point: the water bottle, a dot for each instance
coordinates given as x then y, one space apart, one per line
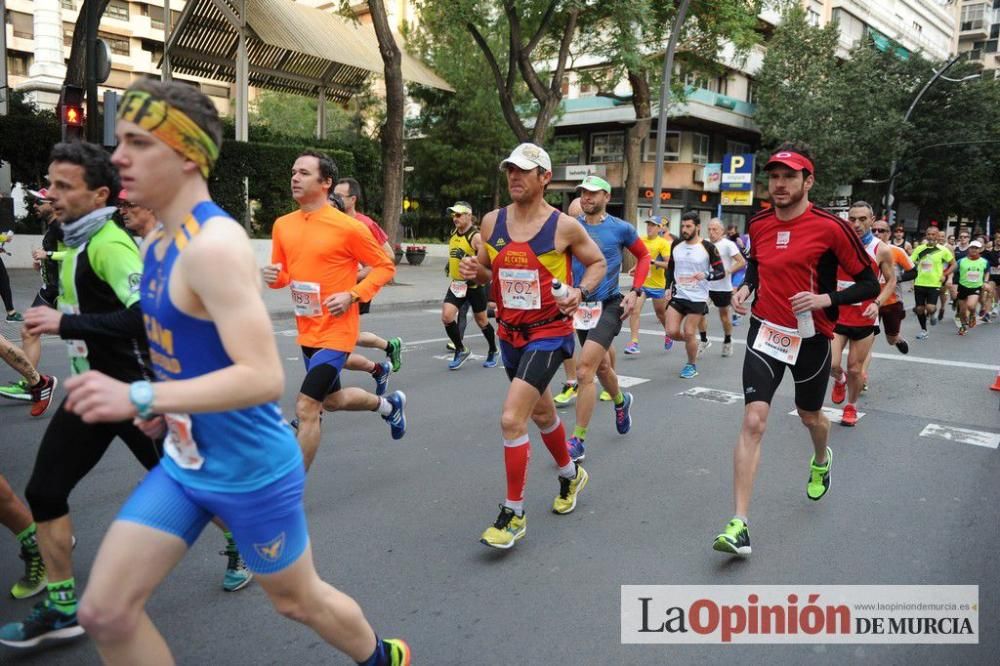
559 290
805 323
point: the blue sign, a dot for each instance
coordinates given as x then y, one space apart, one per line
737 172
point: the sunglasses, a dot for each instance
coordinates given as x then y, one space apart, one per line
880 230
125 205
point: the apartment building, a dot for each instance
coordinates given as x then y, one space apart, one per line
978 32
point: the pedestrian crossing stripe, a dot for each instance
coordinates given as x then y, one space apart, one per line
713 395
989 440
835 415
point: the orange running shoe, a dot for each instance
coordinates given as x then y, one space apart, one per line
839 393
41 395
850 417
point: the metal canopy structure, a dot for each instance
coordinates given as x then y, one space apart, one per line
279 45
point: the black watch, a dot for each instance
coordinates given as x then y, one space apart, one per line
584 294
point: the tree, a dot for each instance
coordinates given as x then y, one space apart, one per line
76 73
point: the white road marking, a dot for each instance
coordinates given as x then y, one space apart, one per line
713 395
625 381
831 413
414 343
448 357
989 440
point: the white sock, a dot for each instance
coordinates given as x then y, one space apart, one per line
516 507
384 407
569 471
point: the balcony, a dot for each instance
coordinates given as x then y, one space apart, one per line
974 28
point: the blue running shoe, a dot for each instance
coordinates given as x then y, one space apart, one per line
45 623
668 342
623 415
491 360
461 356
397 417
576 450
382 381
689 371
237 575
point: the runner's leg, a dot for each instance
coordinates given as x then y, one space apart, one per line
856 354
14 515
633 318
691 330
17 359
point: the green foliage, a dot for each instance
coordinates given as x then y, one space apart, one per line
26 136
268 170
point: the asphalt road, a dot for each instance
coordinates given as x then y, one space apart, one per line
396 524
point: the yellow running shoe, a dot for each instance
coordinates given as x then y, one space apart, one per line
567 395
565 502
508 528
605 396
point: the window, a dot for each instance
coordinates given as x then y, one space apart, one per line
563 85
917 28
751 91
701 148
814 13
69 5
607 147
671 149
567 149
973 17
852 29
67 34
738 148
117 43
18 63
117 9
697 80
22 24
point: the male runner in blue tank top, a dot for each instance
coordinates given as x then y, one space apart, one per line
228 451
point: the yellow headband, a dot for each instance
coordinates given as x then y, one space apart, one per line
171 126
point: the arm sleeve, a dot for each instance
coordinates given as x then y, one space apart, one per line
670 267
908 275
639 251
119 324
370 253
278 257
750 277
716 269
865 288
117 263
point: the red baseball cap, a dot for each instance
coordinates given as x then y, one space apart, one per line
792 160
42 194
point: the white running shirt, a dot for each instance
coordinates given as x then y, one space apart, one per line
727 250
689 260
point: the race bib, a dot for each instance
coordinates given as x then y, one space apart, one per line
76 349
973 276
926 266
520 288
686 280
994 270
180 444
305 298
459 288
778 342
587 315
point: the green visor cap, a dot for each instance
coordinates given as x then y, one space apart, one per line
594 184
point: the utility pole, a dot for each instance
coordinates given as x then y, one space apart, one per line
5 183
93 128
661 122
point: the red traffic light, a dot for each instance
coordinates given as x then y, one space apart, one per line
73 116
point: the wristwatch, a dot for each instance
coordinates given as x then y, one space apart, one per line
140 394
584 295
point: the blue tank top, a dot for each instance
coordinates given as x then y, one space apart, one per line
236 451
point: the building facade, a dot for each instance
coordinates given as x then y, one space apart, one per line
978 32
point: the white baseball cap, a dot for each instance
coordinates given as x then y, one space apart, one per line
528 156
976 243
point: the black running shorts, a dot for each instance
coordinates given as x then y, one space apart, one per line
475 296
762 374
721 299
686 307
926 295
608 326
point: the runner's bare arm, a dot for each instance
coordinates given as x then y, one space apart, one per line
887 266
275 274
478 268
738 263
571 234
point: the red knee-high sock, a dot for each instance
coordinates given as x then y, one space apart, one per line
555 442
516 454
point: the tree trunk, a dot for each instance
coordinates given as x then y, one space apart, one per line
392 130
633 151
76 72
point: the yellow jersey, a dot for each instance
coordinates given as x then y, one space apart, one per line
659 250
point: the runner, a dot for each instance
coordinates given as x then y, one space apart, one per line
40 388
229 452
693 264
971 275
934 263
598 319
898 238
5 294
349 192
991 289
961 250
721 291
322 275
796 249
465 241
892 313
655 285
856 322
529 244
14 515
138 220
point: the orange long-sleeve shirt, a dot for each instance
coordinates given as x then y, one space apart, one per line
321 250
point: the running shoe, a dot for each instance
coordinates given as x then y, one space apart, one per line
567 395
382 380
632 348
689 371
604 396
41 396
839 392
623 415
397 417
237 575
491 360
703 346
850 417
922 335
14 315
819 477
506 530
576 449
737 320
903 346
958 322
668 342
398 651
972 321
735 539
45 623
934 319
962 330
727 349
569 489
394 351
450 346
461 356
34 580
18 390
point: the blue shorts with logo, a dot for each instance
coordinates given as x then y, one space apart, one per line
268 524
654 293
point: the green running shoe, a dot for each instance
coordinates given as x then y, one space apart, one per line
33 581
735 540
395 353
819 477
18 390
398 651
237 575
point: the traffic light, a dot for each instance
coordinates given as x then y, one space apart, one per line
71 116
